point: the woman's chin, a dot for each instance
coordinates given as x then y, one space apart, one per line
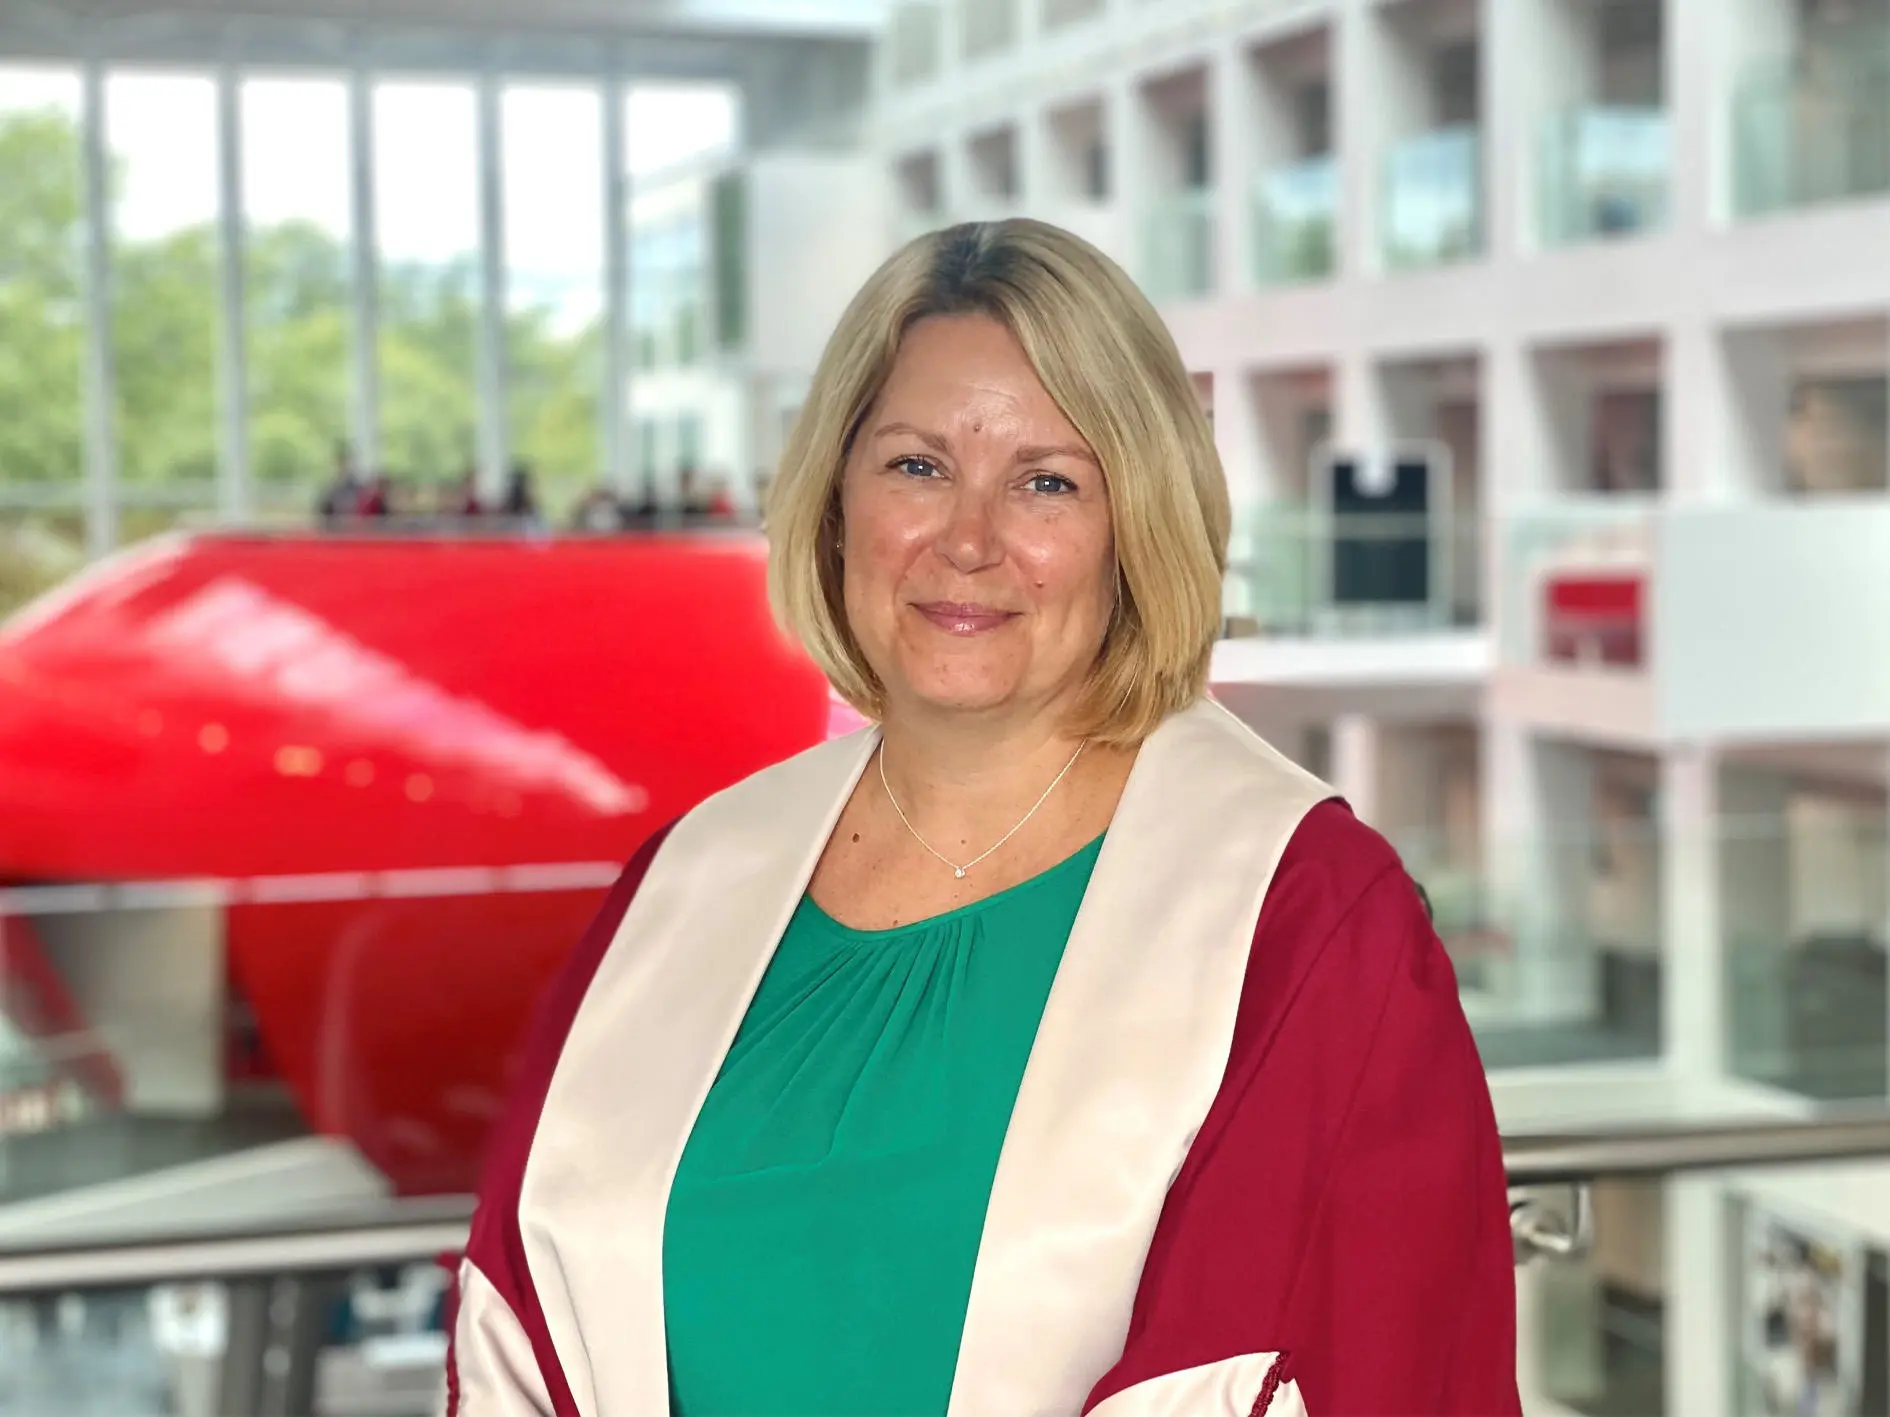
959 696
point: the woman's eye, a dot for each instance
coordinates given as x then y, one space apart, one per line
1050 483
914 467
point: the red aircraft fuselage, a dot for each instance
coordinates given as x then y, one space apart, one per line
236 708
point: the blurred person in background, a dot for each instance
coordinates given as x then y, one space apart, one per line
720 503
1241 1159
462 497
341 498
644 512
520 502
377 498
598 512
691 499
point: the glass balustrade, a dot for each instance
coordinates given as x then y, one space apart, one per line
1179 249
1742 1174
1812 129
1748 1244
1806 947
153 1033
1604 173
1433 199
1770 1276
1301 571
1296 222
126 1051
1555 938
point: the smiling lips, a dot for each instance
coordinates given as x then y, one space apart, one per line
958 618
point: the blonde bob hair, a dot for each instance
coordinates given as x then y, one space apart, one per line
1104 355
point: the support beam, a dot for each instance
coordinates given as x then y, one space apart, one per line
367 272
491 371
1362 79
618 457
235 494
101 442
1235 125
1355 763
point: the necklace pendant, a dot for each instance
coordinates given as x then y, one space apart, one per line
959 871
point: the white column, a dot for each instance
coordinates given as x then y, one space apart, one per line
1234 119
1692 974
1698 140
1726 406
958 198
1244 462
618 455
235 496
1361 416
1710 46
1355 753
1701 1326
1362 61
101 439
1126 123
1537 815
1519 460
1036 194
367 271
491 372
1244 457
1540 57
1029 22
1507 131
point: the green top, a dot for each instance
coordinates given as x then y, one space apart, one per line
824 1221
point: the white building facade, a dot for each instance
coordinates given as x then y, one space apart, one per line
1614 272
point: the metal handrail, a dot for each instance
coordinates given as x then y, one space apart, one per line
387 1233
401 1232
1570 1159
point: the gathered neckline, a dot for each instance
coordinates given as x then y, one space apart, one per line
851 932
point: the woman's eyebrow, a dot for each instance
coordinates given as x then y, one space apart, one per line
932 440
1038 453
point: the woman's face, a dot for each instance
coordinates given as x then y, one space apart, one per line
980 566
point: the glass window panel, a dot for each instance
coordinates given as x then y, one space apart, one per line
42 313
554 247
426 196
161 132
298 284
670 126
667 124
39 548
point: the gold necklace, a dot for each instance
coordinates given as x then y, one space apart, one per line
957 870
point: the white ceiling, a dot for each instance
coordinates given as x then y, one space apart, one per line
640 39
727 18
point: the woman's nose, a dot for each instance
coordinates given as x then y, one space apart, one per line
969 539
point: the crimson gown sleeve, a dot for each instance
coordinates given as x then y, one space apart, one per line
1344 1206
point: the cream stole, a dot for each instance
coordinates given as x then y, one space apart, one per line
1129 1055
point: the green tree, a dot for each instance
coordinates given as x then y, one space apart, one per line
164 347
41 321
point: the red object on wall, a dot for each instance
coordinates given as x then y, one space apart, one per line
235 707
1595 617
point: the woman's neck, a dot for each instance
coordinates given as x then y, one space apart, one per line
967 779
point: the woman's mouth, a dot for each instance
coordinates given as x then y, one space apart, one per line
958 618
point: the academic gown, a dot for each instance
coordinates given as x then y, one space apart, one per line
1252 1167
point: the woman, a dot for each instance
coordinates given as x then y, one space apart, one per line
1055 1046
